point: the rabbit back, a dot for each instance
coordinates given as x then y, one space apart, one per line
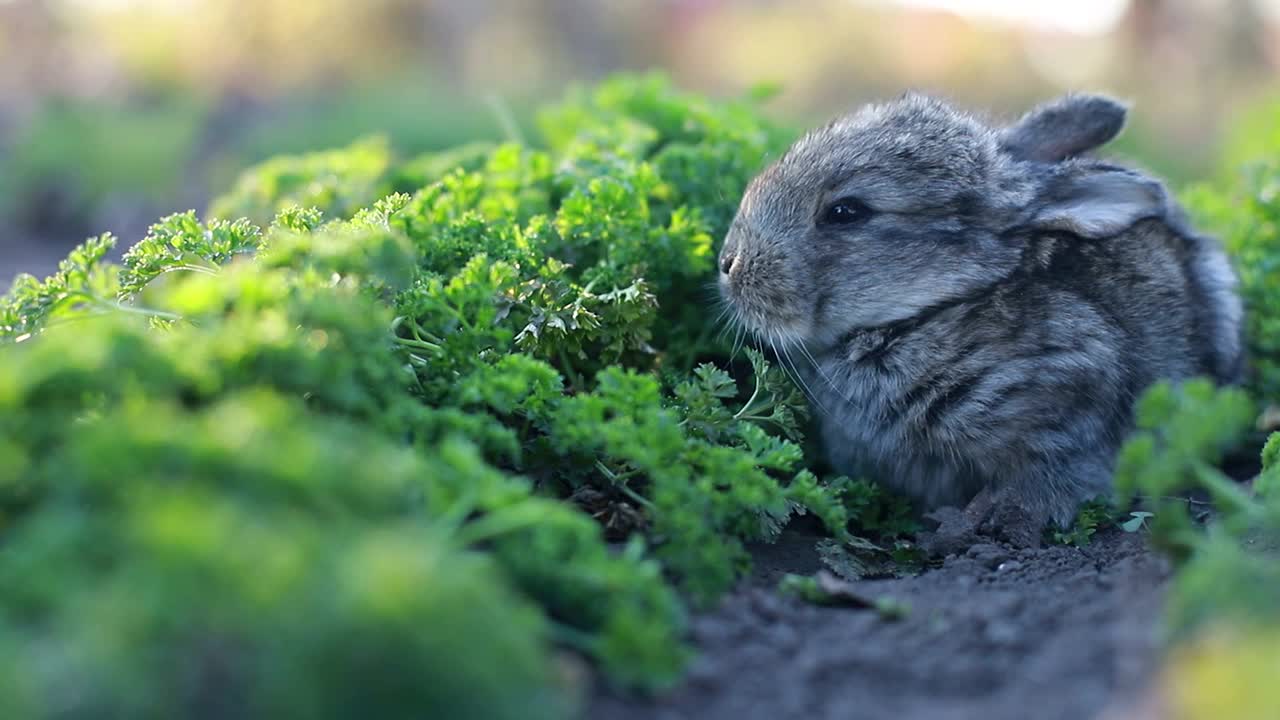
1032 380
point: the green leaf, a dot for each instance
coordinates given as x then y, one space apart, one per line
1137 521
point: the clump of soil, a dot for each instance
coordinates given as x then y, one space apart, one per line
994 633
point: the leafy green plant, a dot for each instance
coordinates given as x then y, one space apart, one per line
390 406
82 285
1227 567
1184 431
1097 514
337 182
1137 521
825 589
1221 611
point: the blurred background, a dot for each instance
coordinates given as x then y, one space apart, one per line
114 112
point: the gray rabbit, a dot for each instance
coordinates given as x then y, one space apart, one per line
975 308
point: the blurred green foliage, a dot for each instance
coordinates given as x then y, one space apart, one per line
1222 610
1186 431
165 149
1244 211
90 152
1227 585
338 182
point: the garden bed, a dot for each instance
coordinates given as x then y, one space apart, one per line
995 633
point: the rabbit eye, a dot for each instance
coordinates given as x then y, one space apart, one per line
846 211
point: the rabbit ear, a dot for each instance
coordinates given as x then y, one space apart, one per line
1096 201
1064 128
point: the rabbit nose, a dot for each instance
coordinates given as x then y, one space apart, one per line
727 262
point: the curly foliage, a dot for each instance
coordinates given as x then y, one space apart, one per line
360 440
82 284
1184 433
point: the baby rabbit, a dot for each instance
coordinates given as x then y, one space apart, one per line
974 309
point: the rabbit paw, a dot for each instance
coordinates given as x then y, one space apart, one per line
992 514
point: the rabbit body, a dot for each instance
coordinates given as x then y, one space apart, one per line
974 307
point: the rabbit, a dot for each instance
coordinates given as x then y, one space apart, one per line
975 307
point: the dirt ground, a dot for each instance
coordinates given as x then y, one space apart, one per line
994 633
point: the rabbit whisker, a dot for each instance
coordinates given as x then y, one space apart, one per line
789 368
739 337
822 372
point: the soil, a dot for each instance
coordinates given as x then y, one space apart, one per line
994 633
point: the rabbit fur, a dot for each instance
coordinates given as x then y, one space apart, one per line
975 306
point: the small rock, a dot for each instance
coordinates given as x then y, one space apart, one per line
988 555
783 637
1083 577
1001 633
704 674
954 534
767 606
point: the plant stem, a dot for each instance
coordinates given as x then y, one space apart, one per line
421 345
509 520
1224 490
418 333
570 636
188 268
618 480
754 393
121 307
572 374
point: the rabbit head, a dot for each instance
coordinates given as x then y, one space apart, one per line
909 205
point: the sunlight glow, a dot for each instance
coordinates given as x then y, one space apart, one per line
129 4
1269 8
1085 17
